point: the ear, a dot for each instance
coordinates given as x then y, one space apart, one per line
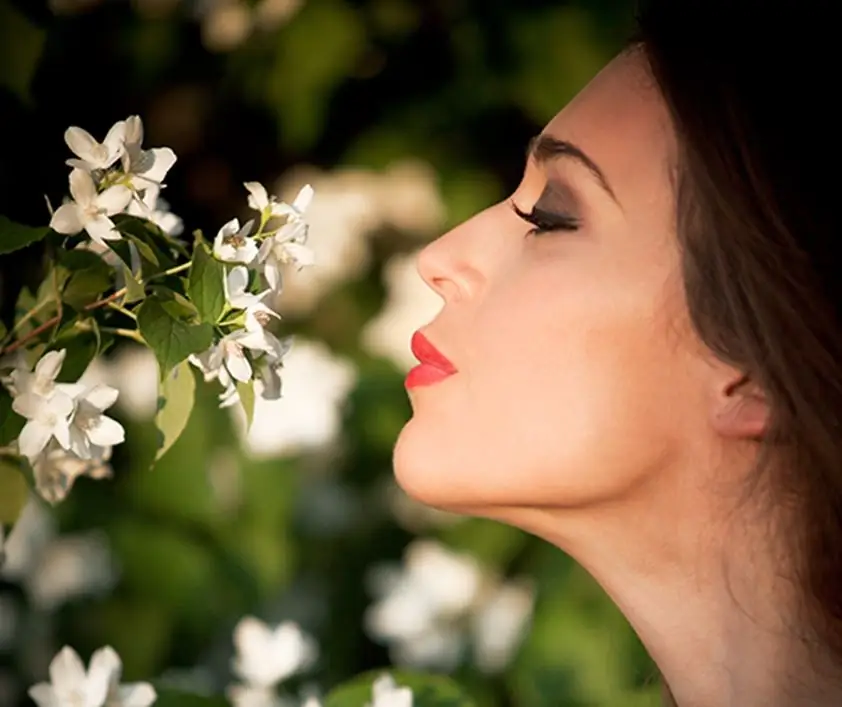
741 409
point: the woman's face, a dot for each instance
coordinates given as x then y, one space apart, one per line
578 376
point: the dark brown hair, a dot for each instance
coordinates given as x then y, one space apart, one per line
752 89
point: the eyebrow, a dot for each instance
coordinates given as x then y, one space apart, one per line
543 148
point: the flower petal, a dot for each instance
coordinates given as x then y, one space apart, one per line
33 438
101 229
61 431
237 364
67 219
104 671
304 198
258 198
102 396
106 431
272 273
29 405
43 695
161 160
67 672
133 130
49 365
81 142
114 199
299 254
236 281
82 187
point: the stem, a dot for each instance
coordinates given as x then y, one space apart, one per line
122 310
128 333
52 321
25 318
104 302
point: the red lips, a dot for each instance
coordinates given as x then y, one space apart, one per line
434 365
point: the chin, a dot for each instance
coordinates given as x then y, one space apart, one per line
423 470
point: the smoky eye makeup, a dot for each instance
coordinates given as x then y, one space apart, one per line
556 209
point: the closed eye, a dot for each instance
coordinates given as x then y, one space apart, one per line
544 221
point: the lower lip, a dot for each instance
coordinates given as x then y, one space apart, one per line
425 374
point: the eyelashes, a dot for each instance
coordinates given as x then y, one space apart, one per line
543 221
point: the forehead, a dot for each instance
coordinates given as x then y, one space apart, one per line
621 121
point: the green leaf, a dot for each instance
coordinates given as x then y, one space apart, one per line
205 286
14 236
178 392
14 491
88 277
246 392
171 339
146 251
10 422
427 690
135 291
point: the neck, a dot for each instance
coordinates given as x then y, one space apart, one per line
706 592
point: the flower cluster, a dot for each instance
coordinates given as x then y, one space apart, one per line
110 177
66 434
249 351
124 270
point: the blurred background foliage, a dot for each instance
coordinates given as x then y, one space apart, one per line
408 116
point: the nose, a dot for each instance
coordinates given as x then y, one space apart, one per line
450 264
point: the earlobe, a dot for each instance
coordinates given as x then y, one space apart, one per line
741 410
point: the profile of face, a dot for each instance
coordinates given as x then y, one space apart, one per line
579 378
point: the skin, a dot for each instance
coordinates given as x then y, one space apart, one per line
585 409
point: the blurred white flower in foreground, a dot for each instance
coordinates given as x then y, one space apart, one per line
55 569
308 412
266 656
72 686
439 602
134 372
387 693
410 304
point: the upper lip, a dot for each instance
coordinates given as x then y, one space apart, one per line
425 352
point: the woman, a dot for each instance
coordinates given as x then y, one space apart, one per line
644 350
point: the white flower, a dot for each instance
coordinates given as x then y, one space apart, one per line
39 382
47 418
56 470
309 415
287 245
72 686
265 656
260 201
89 428
145 168
386 693
155 209
90 211
52 568
236 290
92 154
499 624
232 243
420 603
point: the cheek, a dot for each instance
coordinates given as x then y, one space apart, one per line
569 402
